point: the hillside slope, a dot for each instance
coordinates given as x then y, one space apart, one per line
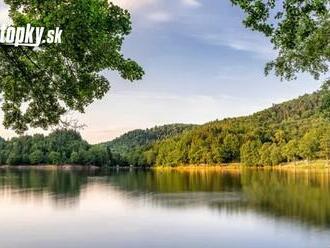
131 145
289 131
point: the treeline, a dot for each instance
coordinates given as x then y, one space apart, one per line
217 143
131 146
60 147
291 131
287 132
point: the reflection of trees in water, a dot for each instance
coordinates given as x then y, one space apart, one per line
176 182
179 189
63 186
301 196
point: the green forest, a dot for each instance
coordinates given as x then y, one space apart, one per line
295 130
60 147
131 146
288 132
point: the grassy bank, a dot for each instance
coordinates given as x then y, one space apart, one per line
299 165
304 165
236 166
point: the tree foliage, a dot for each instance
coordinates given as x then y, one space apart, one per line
325 144
60 147
298 29
250 152
325 106
56 78
36 157
132 145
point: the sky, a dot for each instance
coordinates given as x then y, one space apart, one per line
201 64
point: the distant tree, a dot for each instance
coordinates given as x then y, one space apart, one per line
230 149
291 150
14 151
54 158
3 157
270 154
74 158
325 145
83 157
264 153
197 152
250 153
325 105
36 157
150 157
14 158
279 137
3 151
64 142
98 156
276 156
309 145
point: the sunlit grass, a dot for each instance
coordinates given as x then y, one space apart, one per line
298 165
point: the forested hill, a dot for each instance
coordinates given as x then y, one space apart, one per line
289 131
300 108
131 145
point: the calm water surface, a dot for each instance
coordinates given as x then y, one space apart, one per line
49 208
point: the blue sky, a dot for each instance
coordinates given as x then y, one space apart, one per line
201 64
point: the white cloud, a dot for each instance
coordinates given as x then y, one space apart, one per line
160 16
241 42
133 4
191 3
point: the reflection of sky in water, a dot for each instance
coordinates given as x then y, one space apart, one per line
105 213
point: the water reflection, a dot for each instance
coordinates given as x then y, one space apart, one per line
176 182
62 186
302 197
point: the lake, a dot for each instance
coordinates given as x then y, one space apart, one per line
201 208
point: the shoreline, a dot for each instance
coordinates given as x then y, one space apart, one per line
292 166
50 167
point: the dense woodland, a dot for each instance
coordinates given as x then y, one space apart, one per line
131 146
287 132
67 147
60 147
